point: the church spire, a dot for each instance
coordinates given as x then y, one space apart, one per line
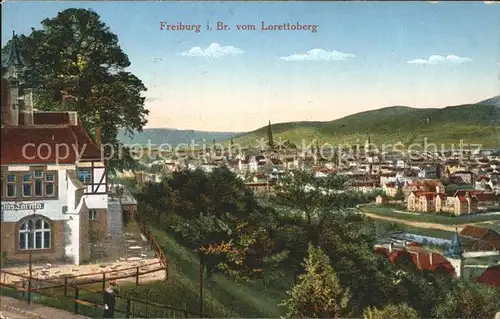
455 249
270 136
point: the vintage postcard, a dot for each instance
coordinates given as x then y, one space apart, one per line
234 159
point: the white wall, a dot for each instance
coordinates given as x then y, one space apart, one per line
53 210
96 201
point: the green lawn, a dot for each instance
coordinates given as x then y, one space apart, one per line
222 296
428 217
423 231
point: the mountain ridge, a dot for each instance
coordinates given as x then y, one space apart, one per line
475 123
472 123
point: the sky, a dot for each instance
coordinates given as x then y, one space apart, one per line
362 56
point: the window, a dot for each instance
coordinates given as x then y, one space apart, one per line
11 185
92 214
27 185
34 234
49 185
38 175
85 175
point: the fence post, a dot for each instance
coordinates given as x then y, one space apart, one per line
76 299
137 276
103 281
166 267
65 286
129 307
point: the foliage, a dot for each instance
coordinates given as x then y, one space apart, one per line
318 293
247 239
76 64
469 300
400 195
399 311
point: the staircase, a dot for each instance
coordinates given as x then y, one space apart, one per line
115 217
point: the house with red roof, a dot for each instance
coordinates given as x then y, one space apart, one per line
422 258
490 277
54 180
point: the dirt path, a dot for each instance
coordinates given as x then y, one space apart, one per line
416 224
11 308
92 271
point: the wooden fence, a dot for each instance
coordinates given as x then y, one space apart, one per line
152 243
67 293
90 278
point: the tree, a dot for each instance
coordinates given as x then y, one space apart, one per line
399 311
318 293
348 240
76 64
400 195
469 300
313 198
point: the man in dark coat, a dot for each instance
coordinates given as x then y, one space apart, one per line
109 303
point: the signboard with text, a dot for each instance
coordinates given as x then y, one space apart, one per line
22 206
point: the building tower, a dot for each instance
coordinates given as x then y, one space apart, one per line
454 254
17 100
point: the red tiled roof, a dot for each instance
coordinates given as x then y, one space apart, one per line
390 185
364 184
477 232
388 174
276 161
62 145
424 260
483 177
491 276
484 197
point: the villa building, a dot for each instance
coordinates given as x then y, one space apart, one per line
54 182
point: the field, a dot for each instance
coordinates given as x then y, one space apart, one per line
429 218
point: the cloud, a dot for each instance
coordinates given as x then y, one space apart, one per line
213 51
491 2
152 99
318 55
439 59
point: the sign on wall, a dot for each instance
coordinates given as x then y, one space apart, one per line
15 206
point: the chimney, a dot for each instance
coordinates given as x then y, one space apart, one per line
27 110
73 118
430 258
98 135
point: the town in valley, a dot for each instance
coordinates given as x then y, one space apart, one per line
254 177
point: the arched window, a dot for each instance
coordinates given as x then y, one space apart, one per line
34 234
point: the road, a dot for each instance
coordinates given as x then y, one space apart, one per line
12 315
415 224
11 308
